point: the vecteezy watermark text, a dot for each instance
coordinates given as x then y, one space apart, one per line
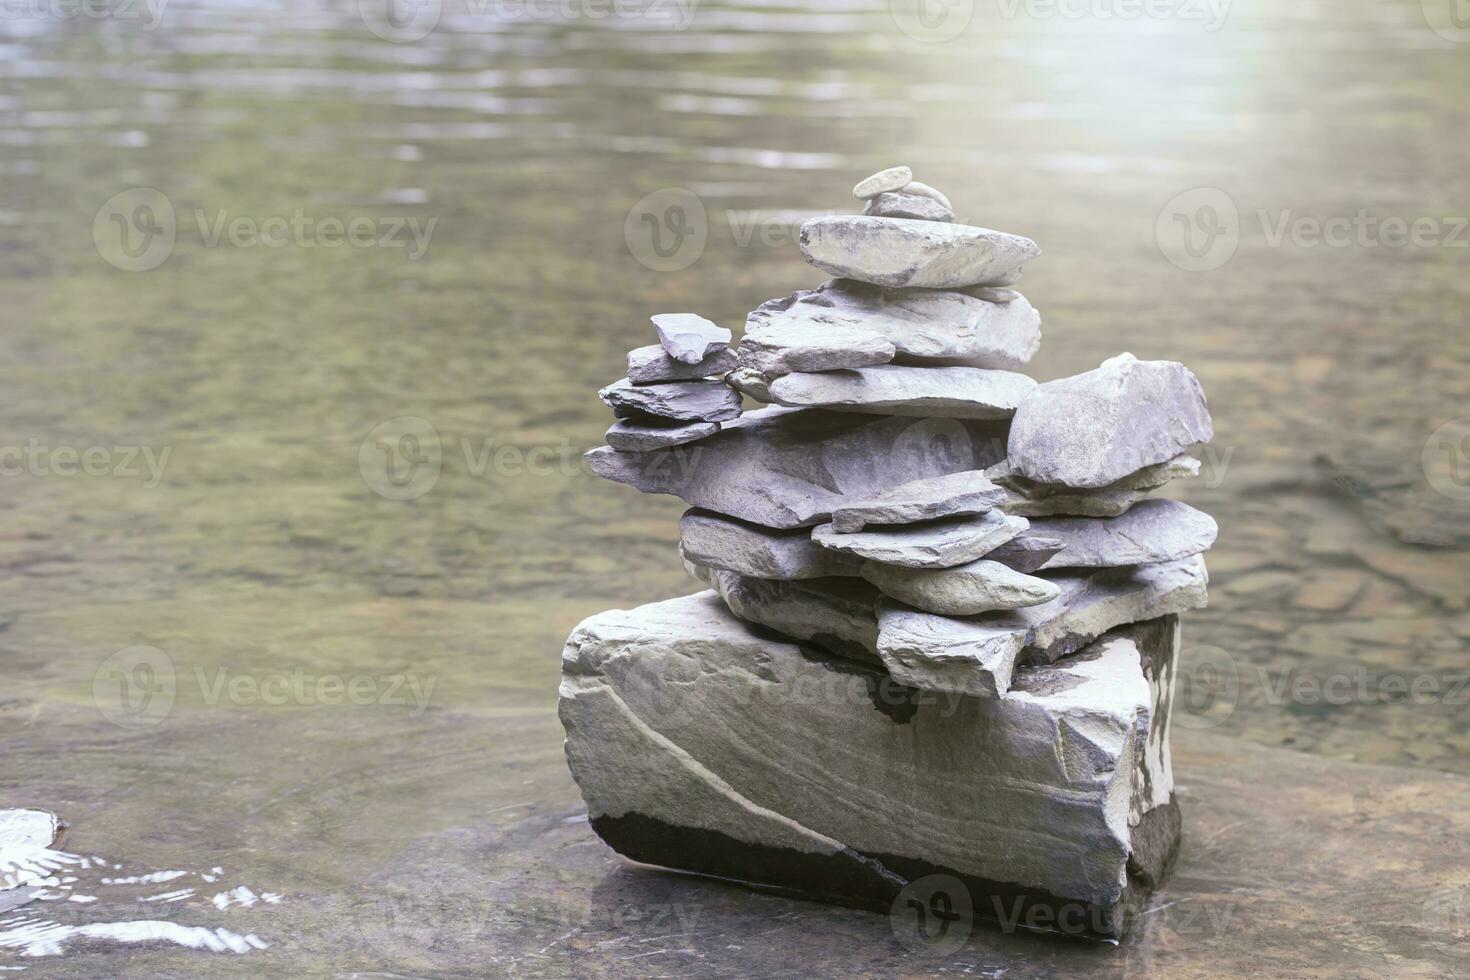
39 459
148 12
406 21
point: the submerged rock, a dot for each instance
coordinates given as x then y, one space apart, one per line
784 468
1096 428
978 328
900 252
677 401
965 590
892 389
652 364
967 492
688 337
701 745
936 544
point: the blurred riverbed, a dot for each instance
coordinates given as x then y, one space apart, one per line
259 261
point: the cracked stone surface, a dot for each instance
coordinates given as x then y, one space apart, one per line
966 590
652 364
893 389
990 328
785 468
1052 787
936 544
1095 428
900 252
716 541
1151 531
967 492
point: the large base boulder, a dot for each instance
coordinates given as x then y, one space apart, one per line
702 744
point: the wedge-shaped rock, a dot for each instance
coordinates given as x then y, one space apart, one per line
1096 428
716 541
783 468
991 328
966 590
836 614
1151 531
899 252
794 345
750 382
936 544
897 204
652 364
968 492
630 437
701 745
1028 498
677 401
688 337
1026 552
893 389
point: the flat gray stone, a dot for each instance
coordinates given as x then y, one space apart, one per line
924 190
894 389
688 337
1096 428
716 541
652 364
896 204
786 468
1151 531
630 437
900 252
1028 498
1026 552
977 328
797 345
836 614
700 744
749 381
968 492
965 590
884 180
677 401
937 544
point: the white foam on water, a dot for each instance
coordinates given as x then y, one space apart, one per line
29 866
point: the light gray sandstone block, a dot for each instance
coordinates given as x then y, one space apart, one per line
701 745
966 492
936 544
716 541
676 401
652 364
784 468
689 337
898 204
883 181
1151 531
975 328
893 389
631 437
1098 427
966 590
924 190
900 252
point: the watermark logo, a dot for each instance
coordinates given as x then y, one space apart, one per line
149 12
667 231
135 230
1211 13
400 21
135 688
1207 687
1199 230
932 21
1446 459
933 914
401 458
417 918
1450 19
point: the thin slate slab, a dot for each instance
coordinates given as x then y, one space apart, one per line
1151 531
990 328
1027 552
806 345
688 337
883 181
652 365
966 590
630 437
968 492
676 401
893 389
901 252
784 468
936 544
1095 428
897 204
835 614
716 541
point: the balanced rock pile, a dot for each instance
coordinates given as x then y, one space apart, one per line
943 611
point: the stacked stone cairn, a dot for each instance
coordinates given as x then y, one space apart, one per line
942 621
